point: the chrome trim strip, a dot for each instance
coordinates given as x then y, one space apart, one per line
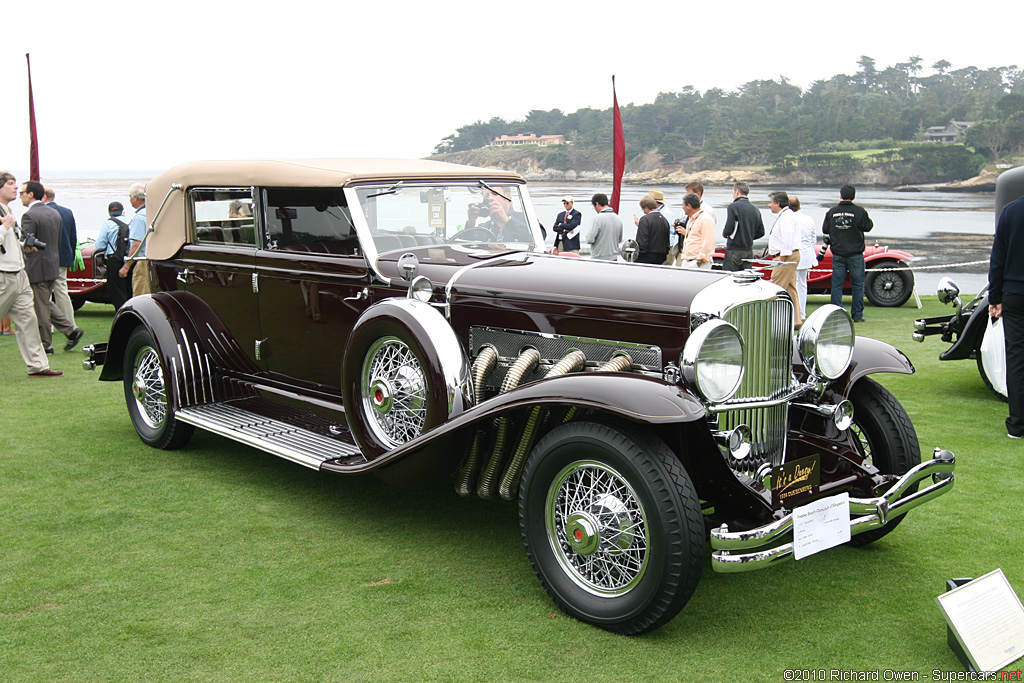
873 513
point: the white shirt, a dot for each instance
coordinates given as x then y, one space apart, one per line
808 238
785 234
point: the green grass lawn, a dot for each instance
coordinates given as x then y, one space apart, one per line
218 562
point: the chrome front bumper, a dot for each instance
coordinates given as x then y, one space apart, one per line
741 551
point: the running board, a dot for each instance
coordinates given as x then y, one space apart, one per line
267 434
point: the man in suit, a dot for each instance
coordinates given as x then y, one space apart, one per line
15 291
68 243
567 228
42 266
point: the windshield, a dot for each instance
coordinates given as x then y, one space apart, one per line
404 215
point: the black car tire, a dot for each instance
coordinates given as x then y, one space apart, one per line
145 392
882 432
77 302
651 552
888 288
984 373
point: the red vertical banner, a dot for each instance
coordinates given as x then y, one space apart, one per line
33 149
618 151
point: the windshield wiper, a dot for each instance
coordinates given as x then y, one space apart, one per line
391 190
483 184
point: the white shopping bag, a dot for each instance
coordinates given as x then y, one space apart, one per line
993 355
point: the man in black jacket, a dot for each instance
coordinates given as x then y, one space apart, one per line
42 266
68 245
845 224
743 225
1006 301
567 228
651 233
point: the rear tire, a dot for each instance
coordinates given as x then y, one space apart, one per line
888 288
883 433
612 526
145 392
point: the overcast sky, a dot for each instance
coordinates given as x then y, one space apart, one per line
145 85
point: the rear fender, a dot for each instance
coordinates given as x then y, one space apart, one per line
190 339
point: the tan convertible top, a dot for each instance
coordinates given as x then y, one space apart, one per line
171 230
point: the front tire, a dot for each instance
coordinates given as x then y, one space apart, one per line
145 392
883 433
612 526
888 288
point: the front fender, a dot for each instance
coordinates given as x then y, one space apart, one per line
871 356
640 399
970 338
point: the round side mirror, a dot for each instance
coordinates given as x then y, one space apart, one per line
408 266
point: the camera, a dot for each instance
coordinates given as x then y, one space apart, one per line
484 208
824 247
679 223
31 241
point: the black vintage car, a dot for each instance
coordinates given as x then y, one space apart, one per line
401 318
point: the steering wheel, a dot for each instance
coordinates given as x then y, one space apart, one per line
473 235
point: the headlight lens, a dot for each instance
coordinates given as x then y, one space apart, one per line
421 289
826 342
712 360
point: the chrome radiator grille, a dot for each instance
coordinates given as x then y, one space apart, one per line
767 329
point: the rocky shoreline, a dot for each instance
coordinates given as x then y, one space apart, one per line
647 172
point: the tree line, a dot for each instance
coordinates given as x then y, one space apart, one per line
775 123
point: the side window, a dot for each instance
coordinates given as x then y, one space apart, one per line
315 220
223 216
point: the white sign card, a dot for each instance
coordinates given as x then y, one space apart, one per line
821 525
988 620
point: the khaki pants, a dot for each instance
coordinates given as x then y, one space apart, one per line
16 301
47 313
60 295
785 277
140 278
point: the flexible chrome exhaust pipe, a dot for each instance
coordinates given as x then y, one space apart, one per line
526 362
571 362
482 366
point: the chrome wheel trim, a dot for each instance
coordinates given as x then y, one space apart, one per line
148 388
394 391
597 528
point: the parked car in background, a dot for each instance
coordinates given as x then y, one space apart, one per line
89 283
882 286
402 318
970 331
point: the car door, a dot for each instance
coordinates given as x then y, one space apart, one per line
313 285
218 267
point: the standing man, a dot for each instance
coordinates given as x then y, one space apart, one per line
567 228
845 224
15 290
1006 301
652 234
784 245
137 233
68 244
42 267
698 235
605 231
113 242
743 225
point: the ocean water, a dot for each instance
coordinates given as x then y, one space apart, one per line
942 230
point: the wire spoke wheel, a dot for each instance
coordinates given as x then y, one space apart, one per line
888 288
394 391
148 388
598 528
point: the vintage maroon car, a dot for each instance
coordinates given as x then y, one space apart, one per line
401 318
89 283
887 282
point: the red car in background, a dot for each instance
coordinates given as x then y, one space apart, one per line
882 287
89 283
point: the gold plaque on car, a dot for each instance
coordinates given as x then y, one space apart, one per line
794 481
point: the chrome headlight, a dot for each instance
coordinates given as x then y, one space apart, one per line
826 342
712 360
420 289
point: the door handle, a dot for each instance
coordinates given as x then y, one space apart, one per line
188 277
364 293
